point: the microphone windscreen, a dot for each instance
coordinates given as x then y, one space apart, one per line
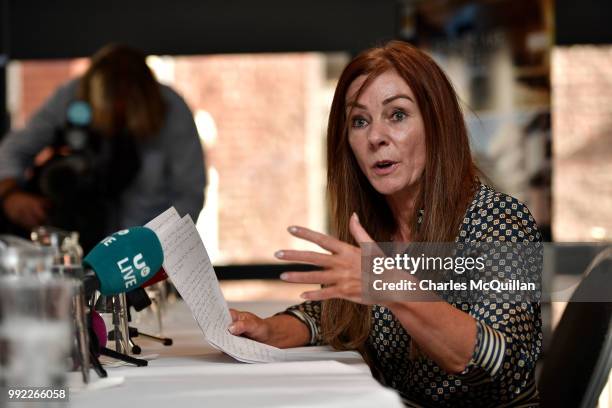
159 276
99 328
125 260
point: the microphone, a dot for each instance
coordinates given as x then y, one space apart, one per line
138 299
99 328
159 276
123 261
98 337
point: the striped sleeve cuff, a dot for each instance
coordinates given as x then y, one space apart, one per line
309 321
490 349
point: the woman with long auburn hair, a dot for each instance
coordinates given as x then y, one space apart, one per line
400 170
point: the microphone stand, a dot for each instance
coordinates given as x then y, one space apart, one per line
123 357
134 332
139 300
166 341
94 350
120 326
122 333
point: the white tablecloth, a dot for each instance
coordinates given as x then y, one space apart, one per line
192 374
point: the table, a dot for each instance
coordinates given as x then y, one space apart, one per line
190 373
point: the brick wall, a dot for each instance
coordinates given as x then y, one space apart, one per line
262 106
38 81
582 142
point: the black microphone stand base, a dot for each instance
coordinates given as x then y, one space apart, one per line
123 357
166 341
135 347
134 332
97 366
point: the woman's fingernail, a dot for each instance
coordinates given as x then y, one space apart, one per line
292 229
231 328
279 254
284 276
356 216
304 295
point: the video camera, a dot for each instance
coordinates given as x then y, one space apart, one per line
85 174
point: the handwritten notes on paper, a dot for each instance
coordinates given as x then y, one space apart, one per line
188 265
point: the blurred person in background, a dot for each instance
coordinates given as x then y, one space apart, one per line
400 170
106 151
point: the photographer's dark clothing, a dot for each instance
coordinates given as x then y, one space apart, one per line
170 164
502 370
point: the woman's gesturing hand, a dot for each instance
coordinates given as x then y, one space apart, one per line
341 274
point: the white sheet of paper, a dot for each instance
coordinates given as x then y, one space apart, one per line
188 265
163 220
